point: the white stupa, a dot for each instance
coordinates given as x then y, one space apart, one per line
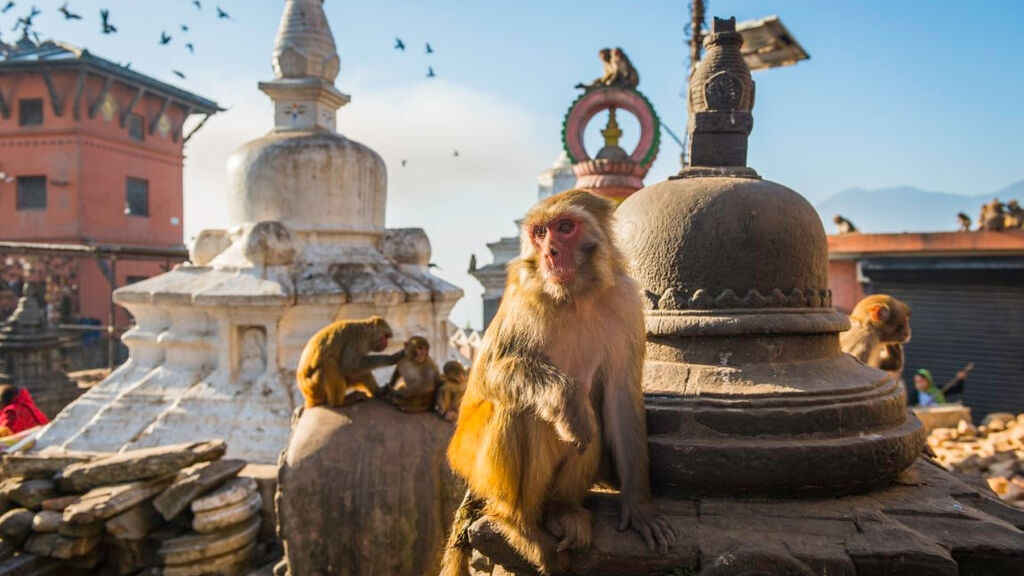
216 342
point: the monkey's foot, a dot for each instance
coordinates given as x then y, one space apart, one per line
572 525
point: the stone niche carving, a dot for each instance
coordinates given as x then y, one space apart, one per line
251 352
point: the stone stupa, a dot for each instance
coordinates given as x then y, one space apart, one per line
216 342
772 453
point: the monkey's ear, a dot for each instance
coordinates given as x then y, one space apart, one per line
878 312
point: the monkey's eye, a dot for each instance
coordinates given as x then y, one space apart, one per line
539 232
566 226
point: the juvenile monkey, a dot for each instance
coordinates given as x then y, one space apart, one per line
965 222
453 386
879 326
415 378
843 225
555 389
338 358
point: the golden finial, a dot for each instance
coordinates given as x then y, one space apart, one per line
611 132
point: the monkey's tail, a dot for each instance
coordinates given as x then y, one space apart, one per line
457 551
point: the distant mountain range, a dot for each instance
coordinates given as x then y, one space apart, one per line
908 209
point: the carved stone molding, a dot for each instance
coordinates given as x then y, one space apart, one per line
701 299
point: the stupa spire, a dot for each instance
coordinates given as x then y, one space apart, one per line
306 63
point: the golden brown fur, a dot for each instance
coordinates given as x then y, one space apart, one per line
338 358
453 387
556 388
415 379
879 325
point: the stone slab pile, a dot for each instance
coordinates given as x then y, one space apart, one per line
180 510
993 450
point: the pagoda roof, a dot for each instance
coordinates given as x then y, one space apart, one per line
51 55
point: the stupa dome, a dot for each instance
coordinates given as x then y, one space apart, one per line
314 181
708 239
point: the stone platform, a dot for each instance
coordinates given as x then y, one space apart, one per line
928 522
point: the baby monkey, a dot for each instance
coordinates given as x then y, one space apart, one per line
415 379
453 386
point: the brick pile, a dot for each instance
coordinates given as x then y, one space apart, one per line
994 450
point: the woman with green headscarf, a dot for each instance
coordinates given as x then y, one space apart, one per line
928 394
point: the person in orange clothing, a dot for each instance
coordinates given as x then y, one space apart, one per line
18 412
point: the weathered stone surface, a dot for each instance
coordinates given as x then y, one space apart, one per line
26 565
378 480
30 493
924 524
138 465
42 465
233 563
232 492
265 476
63 547
135 523
71 530
42 544
60 503
222 518
193 482
87 561
46 521
108 501
194 548
16 525
131 556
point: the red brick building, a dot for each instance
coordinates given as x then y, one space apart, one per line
91 153
966 294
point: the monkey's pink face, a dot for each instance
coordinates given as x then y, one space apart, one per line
557 242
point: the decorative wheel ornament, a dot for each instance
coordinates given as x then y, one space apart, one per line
597 100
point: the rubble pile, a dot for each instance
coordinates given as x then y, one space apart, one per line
177 510
994 450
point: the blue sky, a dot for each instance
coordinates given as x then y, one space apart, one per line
922 93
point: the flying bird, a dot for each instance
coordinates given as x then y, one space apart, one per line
68 15
403 162
222 14
108 28
430 72
399 45
197 4
178 74
7 7
429 49
191 48
184 28
164 39
456 154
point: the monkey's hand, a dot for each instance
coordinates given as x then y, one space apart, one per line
645 517
576 423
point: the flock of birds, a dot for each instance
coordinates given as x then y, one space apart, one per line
26 23
428 49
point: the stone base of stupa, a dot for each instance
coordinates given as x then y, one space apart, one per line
928 522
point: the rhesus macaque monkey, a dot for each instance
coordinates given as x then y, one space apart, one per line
626 75
337 359
415 378
965 222
555 389
992 216
844 225
608 74
879 326
453 386
1014 216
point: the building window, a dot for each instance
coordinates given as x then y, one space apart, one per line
135 129
31 193
30 112
136 197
